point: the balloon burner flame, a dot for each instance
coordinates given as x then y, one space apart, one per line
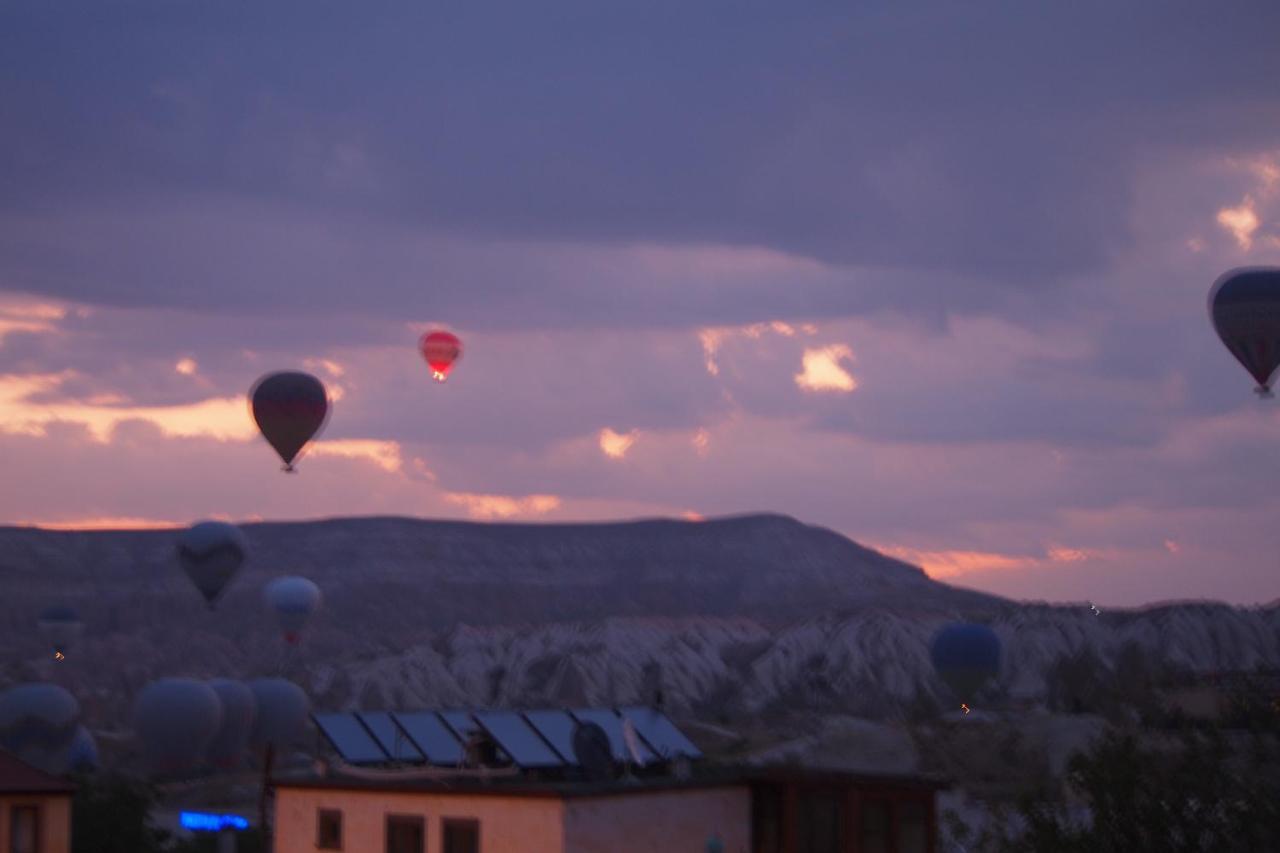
59 656
964 707
437 375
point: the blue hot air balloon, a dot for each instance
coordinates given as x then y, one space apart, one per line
239 707
38 722
966 657
281 720
176 719
212 552
289 407
1244 305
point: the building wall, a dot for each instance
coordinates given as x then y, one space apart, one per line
507 824
55 821
659 821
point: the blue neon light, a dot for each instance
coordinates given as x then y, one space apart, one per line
201 822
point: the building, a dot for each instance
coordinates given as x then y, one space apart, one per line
745 810
588 780
35 809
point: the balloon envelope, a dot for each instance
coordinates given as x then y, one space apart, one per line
289 407
37 721
1244 305
282 713
294 600
441 350
82 755
212 552
966 657
61 625
239 707
176 720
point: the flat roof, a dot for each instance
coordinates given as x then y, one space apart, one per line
17 777
528 786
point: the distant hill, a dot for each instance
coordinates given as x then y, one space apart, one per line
745 613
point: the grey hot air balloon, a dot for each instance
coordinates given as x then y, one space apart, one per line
294 601
176 719
38 722
212 552
283 707
61 626
239 708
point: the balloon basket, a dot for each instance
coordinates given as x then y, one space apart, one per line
1263 392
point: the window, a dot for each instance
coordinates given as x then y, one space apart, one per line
913 827
460 836
406 834
875 827
24 829
766 819
820 816
329 829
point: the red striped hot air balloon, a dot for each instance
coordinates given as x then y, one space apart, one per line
441 350
1244 305
290 408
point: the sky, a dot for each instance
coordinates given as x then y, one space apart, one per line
932 275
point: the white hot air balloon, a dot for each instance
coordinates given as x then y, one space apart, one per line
294 601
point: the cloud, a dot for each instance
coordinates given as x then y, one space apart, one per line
1241 222
615 445
489 507
823 371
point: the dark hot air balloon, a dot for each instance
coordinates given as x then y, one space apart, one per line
61 625
290 408
441 350
281 720
212 552
966 657
1244 305
38 723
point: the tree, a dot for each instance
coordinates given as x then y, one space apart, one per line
1196 794
109 814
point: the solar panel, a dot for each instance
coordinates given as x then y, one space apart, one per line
461 723
389 736
612 725
660 733
557 728
518 740
431 735
352 741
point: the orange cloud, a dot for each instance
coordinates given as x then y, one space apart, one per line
186 366
614 444
487 507
225 419
822 370
103 523
384 454
702 441
1242 222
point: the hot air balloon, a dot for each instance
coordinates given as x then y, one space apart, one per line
239 707
282 713
966 657
38 723
212 552
62 626
441 350
1244 305
176 719
294 600
82 755
290 408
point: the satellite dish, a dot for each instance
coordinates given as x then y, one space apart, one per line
593 751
